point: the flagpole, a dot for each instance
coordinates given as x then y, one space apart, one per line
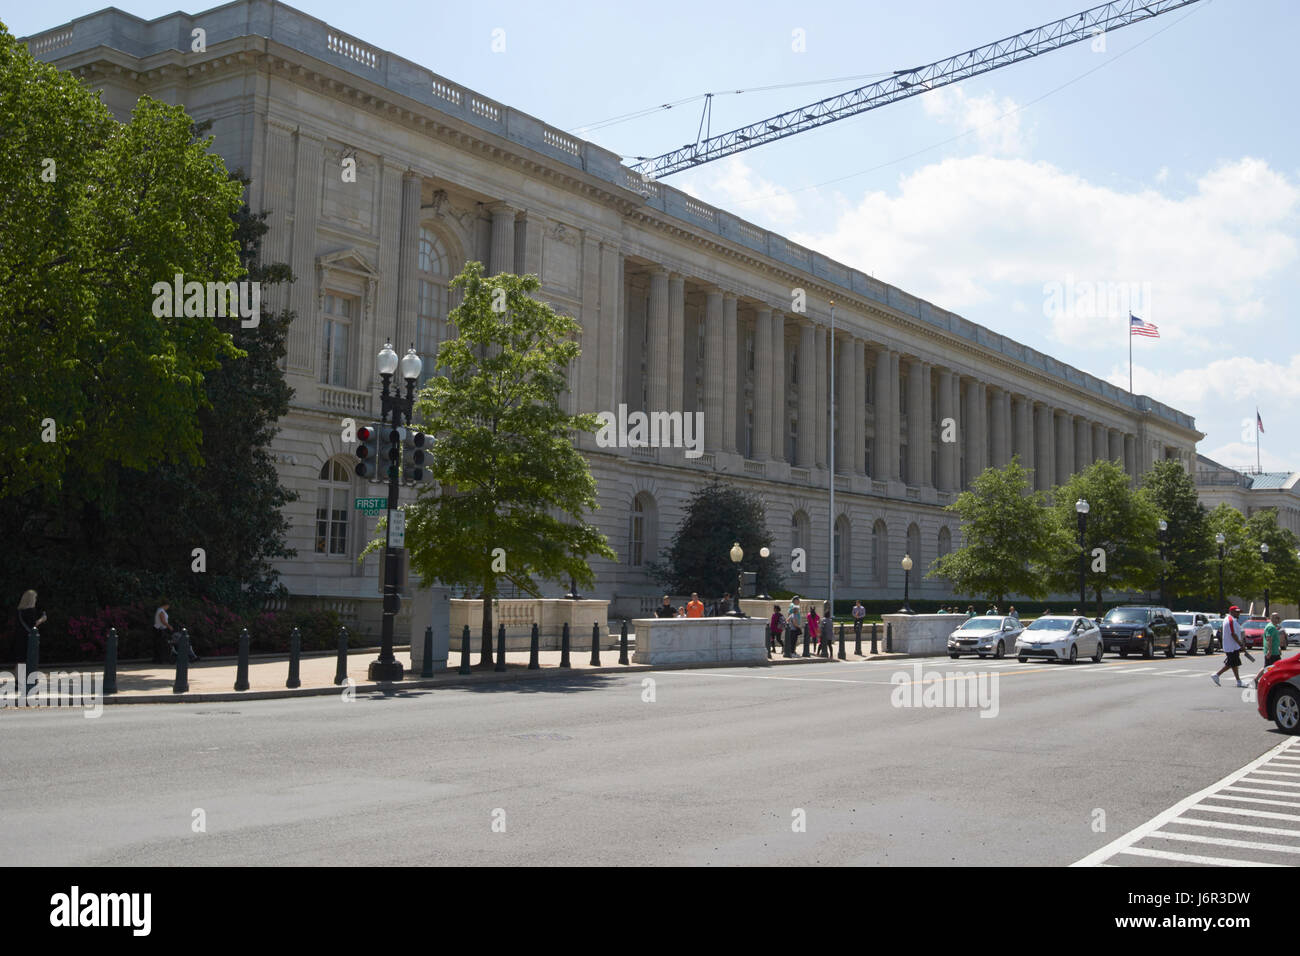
1257 421
1130 353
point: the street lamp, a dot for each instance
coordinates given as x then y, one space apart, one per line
1081 506
1263 552
1219 539
907 576
737 555
763 553
395 409
1164 526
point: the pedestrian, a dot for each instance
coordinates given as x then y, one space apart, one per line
827 632
162 632
970 611
814 622
1011 613
666 609
859 615
1231 647
31 617
681 611
695 607
1272 641
793 626
775 629
724 606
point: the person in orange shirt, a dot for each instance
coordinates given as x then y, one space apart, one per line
696 607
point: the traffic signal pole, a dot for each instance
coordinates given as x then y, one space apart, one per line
386 667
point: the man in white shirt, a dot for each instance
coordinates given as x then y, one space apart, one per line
859 613
161 632
1231 647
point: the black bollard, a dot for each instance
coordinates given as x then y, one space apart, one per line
501 648
33 651
843 657
595 645
110 662
807 631
873 638
622 643
295 652
564 646
182 685
464 652
341 664
889 638
857 638
241 672
426 666
533 647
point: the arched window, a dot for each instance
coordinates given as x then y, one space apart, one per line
880 554
945 542
642 530
843 548
333 508
431 303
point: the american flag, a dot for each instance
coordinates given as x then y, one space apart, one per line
1259 422
1137 327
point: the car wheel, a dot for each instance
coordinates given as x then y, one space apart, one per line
1286 710
1096 657
981 656
1123 653
1172 649
1024 660
1148 650
954 656
1001 652
1074 653
1284 642
1191 651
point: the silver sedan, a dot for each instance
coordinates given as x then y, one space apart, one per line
1060 638
1194 632
985 635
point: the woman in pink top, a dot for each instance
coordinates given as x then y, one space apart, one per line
813 622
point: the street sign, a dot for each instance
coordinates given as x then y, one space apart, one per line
372 506
397 529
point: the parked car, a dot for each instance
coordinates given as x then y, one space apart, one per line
1252 631
1060 637
982 636
1194 632
1140 628
1277 694
1292 628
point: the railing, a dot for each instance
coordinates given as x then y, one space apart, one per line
913 494
646 451
800 474
485 108
344 399
353 49
756 468
841 482
49 41
700 210
879 487
560 141
444 90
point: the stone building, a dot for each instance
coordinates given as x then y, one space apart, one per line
1250 491
684 308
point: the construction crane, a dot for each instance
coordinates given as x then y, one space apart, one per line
904 83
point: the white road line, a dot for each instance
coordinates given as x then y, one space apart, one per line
1223 841
1244 827
1271 783
1135 670
1190 858
1276 793
1278 773
1275 803
1243 812
1125 842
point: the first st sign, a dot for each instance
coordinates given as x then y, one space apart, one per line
372 506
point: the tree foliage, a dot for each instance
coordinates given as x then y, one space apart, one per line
1282 564
1003 536
1172 493
718 515
509 475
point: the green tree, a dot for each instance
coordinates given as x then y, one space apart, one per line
1244 573
1188 540
1282 566
1003 536
512 486
1121 522
93 213
717 516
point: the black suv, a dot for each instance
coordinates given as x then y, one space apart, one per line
1141 629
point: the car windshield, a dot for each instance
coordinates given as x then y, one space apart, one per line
1126 615
1289 624
981 624
1051 624
1184 619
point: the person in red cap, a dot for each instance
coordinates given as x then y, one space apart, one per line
1231 647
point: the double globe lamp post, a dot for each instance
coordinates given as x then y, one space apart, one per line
1082 508
737 555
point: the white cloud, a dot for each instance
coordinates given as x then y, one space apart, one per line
1240 455
732 184
996 122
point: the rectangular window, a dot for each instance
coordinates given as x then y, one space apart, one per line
902 394
331 521
870 386
335 341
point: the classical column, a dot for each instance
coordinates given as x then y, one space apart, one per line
1098 442
1007 426
820 387
730 388
408 262
807 438
1082 444
974 429
1025 432
713 371
657 342
676 343
1064 447
503 238
778 414
762 384
1130 455
998 428
928 479
1044 464
918 446
894 421
301 347
947 449
859 407
1115 446
846 388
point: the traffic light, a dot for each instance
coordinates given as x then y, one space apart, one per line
414 456
368 451
390 453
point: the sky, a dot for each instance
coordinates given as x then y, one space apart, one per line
1153 171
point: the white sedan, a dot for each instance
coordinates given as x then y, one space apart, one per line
1060 637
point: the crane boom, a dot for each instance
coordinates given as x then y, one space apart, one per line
905 83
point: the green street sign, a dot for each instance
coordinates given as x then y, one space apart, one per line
372 506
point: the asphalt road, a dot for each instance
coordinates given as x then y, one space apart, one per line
720 768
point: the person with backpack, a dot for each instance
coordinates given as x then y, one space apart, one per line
793 626
827 633
1231 647
775 629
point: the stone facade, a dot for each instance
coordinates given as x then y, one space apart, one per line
683 307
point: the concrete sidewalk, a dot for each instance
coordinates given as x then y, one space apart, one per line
214 679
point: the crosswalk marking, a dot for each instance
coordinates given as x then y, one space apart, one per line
1272 783
1199 811
1277 773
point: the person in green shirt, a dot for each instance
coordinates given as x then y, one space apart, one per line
1273 640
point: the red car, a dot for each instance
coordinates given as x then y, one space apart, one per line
1252 631
1278 694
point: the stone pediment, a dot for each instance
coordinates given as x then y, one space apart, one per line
350 262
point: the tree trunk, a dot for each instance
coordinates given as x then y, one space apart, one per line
485 643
